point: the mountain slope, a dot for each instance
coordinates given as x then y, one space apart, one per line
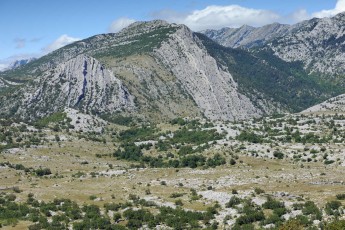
212 88
81 82
247 36
335 105
263 75
318 43
157 71
196 75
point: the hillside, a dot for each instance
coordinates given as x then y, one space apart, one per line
332 105
159 127
247 36
317 43
158 71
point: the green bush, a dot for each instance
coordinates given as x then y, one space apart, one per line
340 196
137 134
272 204
43 171
250 137
310 208
234 200
278 154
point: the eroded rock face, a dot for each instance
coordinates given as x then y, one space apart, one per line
318 43
247 36
82 83
212 87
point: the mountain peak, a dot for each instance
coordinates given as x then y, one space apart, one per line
247 27
145 26
157 22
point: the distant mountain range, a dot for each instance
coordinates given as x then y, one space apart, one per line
157 71
18 63
318 43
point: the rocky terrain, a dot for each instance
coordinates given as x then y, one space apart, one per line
213 89
317 43
247 36
159 127
156 70
81 82
261 173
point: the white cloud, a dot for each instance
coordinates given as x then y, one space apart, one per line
119 24
60 42
215 17
339 7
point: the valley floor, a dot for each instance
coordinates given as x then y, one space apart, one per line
268 170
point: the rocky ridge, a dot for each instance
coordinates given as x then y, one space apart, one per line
212 88
318 43
155 71
247 36
81 82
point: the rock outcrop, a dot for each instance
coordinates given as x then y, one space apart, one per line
212 88
318 43
81 82
158 71
247 36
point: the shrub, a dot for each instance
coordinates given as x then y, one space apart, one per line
340 196
43 171
311 209
335 225
250 137
259 191
178 202
292 225
234 200
278 154
272 204
332 207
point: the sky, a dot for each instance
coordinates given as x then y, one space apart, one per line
32 28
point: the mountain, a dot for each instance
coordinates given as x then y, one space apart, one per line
79 82
17 63
247 36
318 43
20 62
157 71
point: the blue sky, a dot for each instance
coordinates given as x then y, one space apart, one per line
36 27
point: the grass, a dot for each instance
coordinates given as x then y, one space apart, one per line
68 157
66 160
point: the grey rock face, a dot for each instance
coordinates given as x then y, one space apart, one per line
247 36
82 83
212 87
165 66
318 43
